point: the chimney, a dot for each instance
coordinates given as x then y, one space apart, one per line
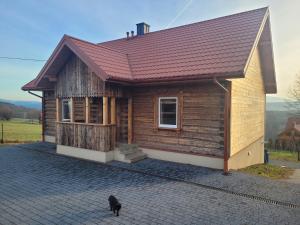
127 34
132 33
142 28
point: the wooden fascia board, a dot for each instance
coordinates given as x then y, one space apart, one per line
269 89
51 59
175 80
255 44
66 41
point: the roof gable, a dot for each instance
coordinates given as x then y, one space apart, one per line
103 61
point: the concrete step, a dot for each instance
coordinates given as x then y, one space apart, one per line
134 157
128 148
130 153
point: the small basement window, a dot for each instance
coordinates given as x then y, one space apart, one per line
66 110
168 112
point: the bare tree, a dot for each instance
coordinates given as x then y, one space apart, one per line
294 95
5 113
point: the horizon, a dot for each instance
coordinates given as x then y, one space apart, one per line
34 35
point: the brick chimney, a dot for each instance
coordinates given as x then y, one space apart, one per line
142 28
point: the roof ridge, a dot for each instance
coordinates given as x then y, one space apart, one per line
189 24
96 45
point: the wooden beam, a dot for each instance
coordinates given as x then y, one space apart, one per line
87 110
72 119
43 116
105 110
57 109
113 110
129 120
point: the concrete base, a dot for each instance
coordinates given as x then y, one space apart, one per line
50 139
210 162
251 155
85 153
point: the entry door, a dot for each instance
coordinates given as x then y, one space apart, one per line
122 120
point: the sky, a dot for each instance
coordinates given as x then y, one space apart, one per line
33 28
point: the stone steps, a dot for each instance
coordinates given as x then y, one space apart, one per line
131 153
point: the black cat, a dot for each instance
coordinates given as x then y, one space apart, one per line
114 204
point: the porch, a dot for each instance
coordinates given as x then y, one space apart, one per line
94 123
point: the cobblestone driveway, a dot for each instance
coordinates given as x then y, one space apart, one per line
38 188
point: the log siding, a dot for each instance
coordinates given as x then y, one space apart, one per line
77 80
49 113
200 119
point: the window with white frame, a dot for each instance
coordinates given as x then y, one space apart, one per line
168 107
66 110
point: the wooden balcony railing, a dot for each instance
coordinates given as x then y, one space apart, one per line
97 137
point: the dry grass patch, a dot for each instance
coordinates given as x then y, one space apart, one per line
270 171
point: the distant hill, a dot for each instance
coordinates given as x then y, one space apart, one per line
21 111
277 103
28 104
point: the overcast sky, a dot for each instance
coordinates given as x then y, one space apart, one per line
32 29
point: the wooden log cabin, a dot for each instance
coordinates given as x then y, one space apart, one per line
191 94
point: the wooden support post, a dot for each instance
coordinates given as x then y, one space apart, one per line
2 134
43 116
87 110
57 109
105 110
129 120
72 119
113 110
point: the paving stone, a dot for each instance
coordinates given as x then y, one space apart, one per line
49 189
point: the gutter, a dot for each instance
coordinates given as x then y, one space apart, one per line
43 112
227 105
36 95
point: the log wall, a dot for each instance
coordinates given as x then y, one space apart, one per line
89 136
49 113
122 120
201 119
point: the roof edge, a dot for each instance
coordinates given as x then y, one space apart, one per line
67 41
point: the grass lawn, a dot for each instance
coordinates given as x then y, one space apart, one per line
284 155
20 131
270 171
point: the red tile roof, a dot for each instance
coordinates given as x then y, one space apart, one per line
213 47
217 47
114 63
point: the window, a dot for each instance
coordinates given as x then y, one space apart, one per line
66 110
168 112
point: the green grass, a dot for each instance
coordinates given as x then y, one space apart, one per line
270 171
284 155
21 131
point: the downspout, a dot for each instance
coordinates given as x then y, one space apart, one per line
43 112
226 124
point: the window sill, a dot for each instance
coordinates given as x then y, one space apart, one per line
168 129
